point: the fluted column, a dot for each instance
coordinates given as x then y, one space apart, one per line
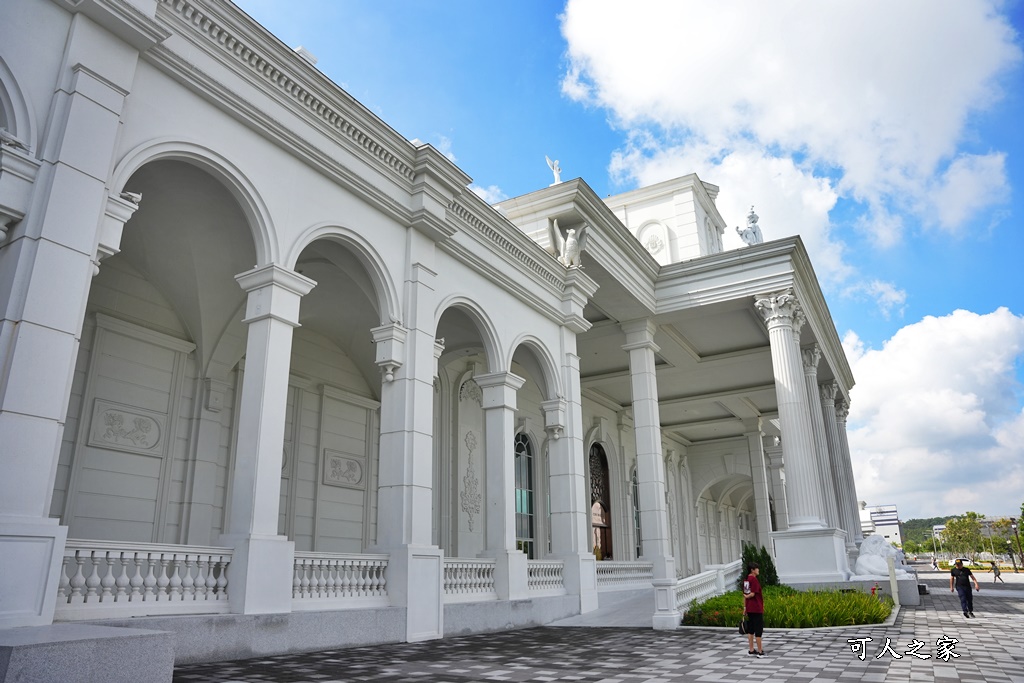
842 411
650 467
779 312
843 487
811 358
777 482
759 480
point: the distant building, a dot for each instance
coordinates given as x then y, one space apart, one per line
881 519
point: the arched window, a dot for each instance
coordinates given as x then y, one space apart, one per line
524 494
636 516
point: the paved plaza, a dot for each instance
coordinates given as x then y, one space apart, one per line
986 648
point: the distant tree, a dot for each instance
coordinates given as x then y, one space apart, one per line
963 534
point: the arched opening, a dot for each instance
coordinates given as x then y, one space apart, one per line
600 504
136 464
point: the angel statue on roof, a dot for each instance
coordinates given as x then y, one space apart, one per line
570 246
555 168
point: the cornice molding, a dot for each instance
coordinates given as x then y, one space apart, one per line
274 68
121 18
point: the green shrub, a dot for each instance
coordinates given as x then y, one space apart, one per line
768 576
786 607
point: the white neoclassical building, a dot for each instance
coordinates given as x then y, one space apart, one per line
272 378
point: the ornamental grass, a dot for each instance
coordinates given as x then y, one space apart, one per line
785 607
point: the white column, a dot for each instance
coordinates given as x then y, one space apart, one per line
53 219
657 546
777 482
844 496
261 570
811 358
803 486
407 358
808 552
759 480
567 463
842 411
499 403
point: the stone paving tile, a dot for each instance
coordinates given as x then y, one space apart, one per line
987 646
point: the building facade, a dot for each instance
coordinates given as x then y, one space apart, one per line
265 361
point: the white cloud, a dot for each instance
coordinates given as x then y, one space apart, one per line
935 423
887 297
491 194
864 100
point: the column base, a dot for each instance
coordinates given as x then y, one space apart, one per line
666 616
31 554
416 582
260 574
511 580
811 555
579 575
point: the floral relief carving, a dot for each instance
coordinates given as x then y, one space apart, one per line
141 431
126 429
654 244
342 470
470 391
470 497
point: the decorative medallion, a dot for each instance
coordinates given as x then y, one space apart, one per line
654 244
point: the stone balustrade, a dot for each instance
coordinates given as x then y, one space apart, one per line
716 580
545 577
624 575
339 581
101 579
469 580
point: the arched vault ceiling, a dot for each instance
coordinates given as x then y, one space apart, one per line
190 238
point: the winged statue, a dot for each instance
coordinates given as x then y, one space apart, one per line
569 247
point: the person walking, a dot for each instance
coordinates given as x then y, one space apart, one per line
754 607
996 571
961 577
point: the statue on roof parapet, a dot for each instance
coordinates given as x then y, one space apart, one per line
751 234
555 169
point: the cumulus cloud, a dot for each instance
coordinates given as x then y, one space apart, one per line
492 194
858 100
937 409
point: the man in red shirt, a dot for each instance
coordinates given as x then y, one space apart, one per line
754 602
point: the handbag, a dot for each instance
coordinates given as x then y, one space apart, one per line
743 624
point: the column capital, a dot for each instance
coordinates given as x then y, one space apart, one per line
811 356
778 309
829 390
842 411
499 389
390 342
274 292
639 334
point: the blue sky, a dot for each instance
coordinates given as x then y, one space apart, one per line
889 136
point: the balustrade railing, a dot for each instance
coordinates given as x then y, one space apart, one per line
716 580
101 579
622 575
545 576
339 581
469 580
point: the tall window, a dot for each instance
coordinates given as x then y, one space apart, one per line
636 516
524 494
